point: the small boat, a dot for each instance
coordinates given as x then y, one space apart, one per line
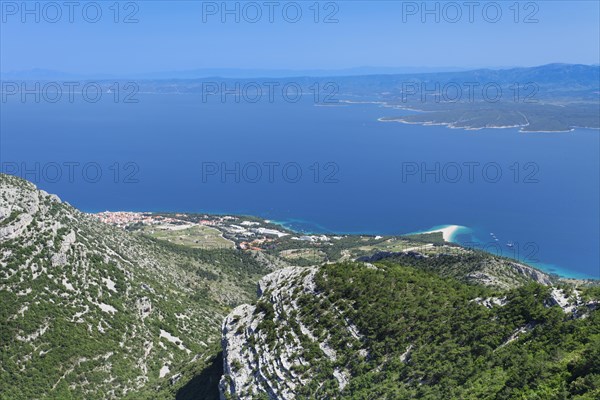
510 244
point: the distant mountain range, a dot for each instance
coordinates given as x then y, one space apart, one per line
245 73
548 98
40 73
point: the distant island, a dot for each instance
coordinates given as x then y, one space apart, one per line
548 98
527 118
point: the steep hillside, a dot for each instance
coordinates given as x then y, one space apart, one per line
388 331
470 266
131 309
92 311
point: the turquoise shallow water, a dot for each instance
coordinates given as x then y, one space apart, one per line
357 175
523 252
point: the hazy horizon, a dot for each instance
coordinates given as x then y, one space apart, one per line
149 37
230 72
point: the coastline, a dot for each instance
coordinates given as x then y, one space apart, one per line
450 125
449 234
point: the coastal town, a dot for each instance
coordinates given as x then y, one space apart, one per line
260 236
244 233
125 218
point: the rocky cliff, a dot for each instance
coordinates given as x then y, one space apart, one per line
361 330
92 311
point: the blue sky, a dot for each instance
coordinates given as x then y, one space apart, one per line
172 35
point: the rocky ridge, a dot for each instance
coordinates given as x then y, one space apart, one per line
265 345
92 311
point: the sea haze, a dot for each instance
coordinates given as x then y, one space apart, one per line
549 212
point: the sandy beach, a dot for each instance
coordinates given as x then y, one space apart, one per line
448 232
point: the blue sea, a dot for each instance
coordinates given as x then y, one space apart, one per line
336 168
